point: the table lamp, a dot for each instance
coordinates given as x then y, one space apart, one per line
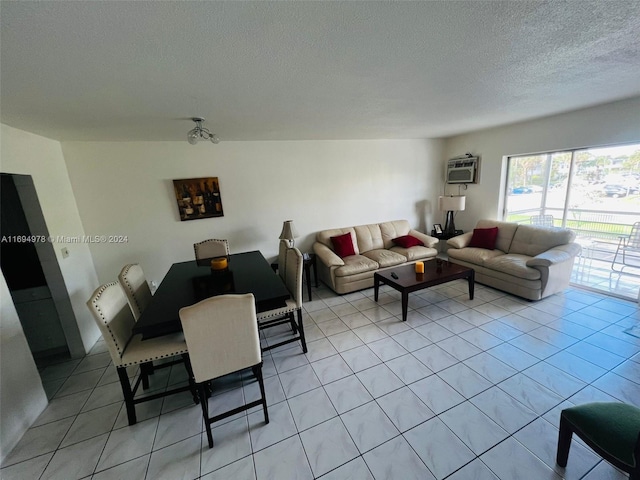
289 233
451 204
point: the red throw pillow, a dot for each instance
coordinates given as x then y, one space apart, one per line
343 245
484 238
407 241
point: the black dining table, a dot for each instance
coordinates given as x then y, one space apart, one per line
187 283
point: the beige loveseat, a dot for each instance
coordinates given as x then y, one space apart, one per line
528 261
373 248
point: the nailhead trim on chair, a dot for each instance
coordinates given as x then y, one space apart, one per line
178 352
97 307
276 313
129 286
299 260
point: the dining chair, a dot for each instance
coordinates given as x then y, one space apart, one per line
610 429
280 316
212 248
114 317
280 266
135 286
222 336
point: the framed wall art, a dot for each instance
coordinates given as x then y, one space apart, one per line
198 198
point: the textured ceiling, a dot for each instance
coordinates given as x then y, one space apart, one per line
138 70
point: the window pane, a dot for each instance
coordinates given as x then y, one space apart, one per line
525 185
556 192
600 190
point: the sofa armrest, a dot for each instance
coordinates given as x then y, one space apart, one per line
460 241
428 240
327 256
555 255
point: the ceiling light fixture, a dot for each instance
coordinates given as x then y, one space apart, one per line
199 132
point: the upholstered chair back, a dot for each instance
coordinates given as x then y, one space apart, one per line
282 260
211 248
136 288
222 335
294 265
111 311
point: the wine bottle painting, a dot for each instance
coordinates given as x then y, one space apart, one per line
198 198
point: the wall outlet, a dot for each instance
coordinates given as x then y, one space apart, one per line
65 252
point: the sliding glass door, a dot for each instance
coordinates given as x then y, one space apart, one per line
595 192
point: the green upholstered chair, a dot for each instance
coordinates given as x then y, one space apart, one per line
611 429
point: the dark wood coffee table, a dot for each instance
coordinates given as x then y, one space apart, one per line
436 272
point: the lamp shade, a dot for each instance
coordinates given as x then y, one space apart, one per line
289 231
452 203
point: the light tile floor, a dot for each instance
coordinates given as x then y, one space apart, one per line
593 270
462 390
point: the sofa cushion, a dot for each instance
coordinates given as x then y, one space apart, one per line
368 237
343 245
513 264
484 238
415 253
385 258
356 264
506 230
407 241
477 256
531 240
391 230
324 236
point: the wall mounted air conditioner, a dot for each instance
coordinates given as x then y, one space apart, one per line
463 169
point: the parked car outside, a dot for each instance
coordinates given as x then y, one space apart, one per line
615 191
521 190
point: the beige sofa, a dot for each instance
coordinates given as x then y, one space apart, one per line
528 261
374 250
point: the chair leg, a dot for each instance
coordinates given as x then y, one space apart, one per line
128 395
292 321
146 369
208 387
192 382
301 330
257 371
564 442
204 403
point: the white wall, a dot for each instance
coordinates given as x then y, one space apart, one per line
127 189
613 123
21 394
29 154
